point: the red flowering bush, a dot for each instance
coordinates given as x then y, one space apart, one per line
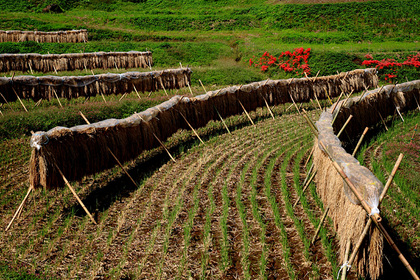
295 62
389 68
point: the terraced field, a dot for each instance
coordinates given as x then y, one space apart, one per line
223 210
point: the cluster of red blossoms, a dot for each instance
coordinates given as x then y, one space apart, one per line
390 66
291 62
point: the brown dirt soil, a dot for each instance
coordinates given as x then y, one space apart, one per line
171 225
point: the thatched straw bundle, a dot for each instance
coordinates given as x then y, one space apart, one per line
378 101
74 61
334 192
91 85
79 151
70 36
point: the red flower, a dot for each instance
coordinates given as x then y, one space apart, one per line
250 62
368 56
264 68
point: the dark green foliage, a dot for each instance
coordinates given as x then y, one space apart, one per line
328 63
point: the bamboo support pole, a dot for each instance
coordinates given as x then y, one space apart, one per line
112 154
17 94
4 98
195 132
360 141
19 208
414 132
223 121
249 117
164 89
309 157
166 149
348 96
56 96
291 105
1 113
21 103
115 64
291 97
188 84
317 101
415 98
382 119
369 222
75 194
122 97
265 100
344 126
201 83
329 99
305 187
399 113
319 225
310 123
30 68
37 103
346 259
136 91
336 103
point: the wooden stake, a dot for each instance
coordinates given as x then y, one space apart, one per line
56 96
320 224
344 125
136 91
19 208
112 154
205 91
305 187
291 105
317 101
1 113
160 142
195 132
246 113
222 119
383 121
360 141
346 258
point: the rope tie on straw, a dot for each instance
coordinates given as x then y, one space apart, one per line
374 211
38 145
346 264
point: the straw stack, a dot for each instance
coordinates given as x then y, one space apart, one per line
36 88
74 61
334 192
69 36
79 150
